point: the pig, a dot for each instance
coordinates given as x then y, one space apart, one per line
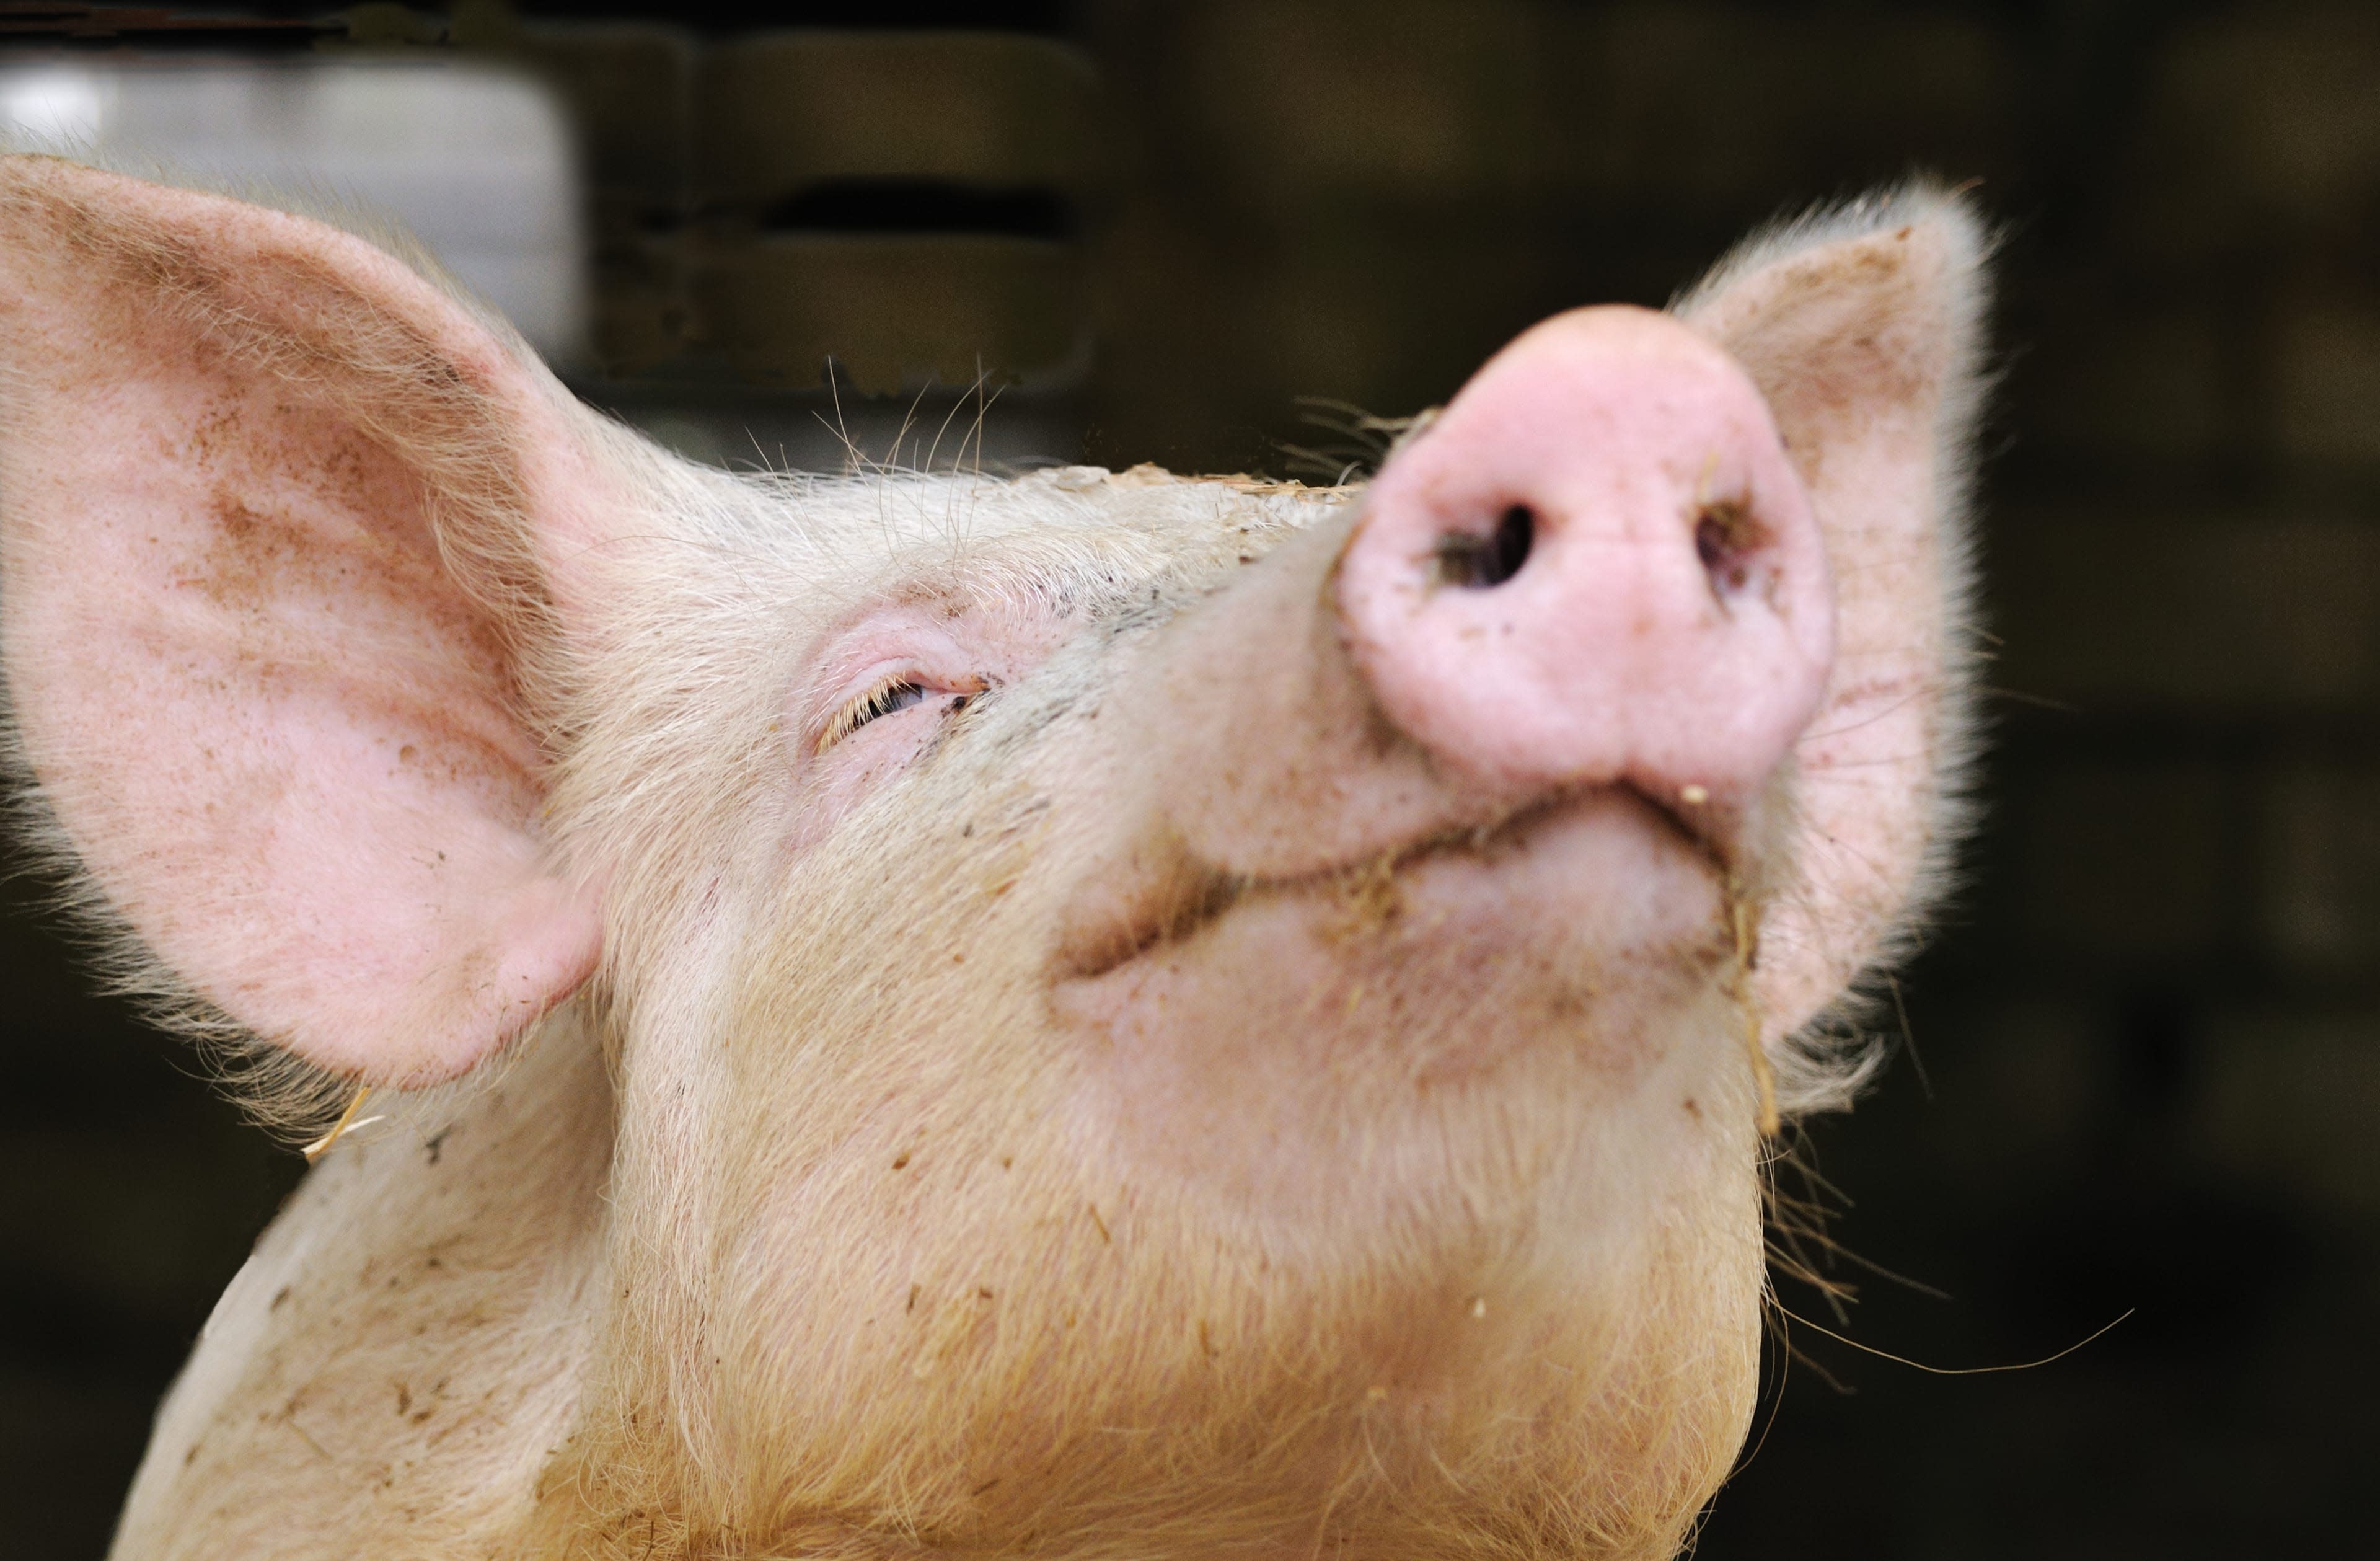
1078 1014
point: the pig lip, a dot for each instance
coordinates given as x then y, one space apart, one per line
1185 896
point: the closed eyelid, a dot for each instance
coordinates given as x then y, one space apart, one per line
888 694
880 663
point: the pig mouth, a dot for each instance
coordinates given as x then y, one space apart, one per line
1175 895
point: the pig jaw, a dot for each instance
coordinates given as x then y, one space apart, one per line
951 1297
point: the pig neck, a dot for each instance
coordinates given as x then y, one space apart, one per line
405 1348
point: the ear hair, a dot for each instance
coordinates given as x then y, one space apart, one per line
1835 298
498 465
279 1090
331 207
293 1098
485 548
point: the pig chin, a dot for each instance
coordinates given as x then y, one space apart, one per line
1289 1041
1393 1205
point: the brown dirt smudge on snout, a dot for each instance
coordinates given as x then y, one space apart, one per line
1175 895
1370 899
1743 928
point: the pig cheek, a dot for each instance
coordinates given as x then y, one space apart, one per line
829 786
884 1112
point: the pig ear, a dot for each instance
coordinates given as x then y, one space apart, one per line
1864 330
276 522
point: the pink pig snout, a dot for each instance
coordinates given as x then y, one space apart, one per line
1595 567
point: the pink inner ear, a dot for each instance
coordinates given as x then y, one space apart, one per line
284 742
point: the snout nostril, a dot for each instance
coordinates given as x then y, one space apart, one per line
1725 539
1483 563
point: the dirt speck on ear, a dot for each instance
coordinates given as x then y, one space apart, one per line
247 554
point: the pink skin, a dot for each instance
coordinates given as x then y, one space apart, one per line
1672 626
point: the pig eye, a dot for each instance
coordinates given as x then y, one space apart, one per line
885 699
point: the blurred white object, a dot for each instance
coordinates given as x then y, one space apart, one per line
478 162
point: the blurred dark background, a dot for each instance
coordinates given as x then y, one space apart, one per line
2142 1062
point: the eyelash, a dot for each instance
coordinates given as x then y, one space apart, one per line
886 699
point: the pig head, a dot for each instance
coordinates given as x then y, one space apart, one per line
1084 1015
